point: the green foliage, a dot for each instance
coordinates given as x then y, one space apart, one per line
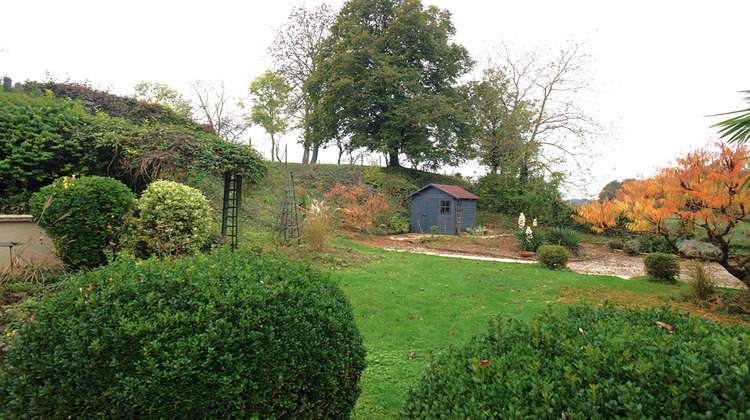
83 216
271 106
171 219
162 94
591 363
632 247
40 141
615 244
563 236
527 244
387 82
508 195
552 256
702 284
608 192
219 336
662 267
654 244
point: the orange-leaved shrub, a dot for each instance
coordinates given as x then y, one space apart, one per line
359 206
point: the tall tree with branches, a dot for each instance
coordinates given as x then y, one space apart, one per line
217 109
388 82
270 96
526 111
295 57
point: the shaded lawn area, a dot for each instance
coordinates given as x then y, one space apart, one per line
411 303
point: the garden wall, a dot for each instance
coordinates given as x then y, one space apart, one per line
26 242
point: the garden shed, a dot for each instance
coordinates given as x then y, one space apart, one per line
451 209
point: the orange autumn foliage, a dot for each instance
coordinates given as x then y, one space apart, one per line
701 191
358 206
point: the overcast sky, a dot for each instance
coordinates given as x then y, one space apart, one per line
658 67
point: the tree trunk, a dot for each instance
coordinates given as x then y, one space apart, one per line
306 155
393 159
314 158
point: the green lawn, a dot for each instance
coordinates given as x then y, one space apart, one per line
411 303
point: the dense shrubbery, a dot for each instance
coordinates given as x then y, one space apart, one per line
662 267
591 363
552 256
171 219
40 141
508 195
84 217
219 336
43 138
632 247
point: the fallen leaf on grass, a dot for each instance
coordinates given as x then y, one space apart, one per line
581 330
665 325
412 354
484 363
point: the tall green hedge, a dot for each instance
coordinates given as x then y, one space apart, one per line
591 363
215 336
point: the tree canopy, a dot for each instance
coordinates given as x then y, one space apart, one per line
388 82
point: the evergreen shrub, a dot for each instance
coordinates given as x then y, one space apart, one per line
171 219
591 363
552 256
84 217
227 335
662 267
563 236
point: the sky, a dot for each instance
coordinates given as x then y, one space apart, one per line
658 68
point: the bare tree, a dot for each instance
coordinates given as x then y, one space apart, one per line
217 109
528 114
294 54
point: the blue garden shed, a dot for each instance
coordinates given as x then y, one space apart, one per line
452 209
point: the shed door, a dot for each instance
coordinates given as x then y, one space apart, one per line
423 215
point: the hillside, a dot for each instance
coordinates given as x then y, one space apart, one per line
261 203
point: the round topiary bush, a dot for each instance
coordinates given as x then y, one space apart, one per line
662 267
591 363
83 216
214 336
552 256
171 219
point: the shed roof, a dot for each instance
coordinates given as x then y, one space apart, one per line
452 190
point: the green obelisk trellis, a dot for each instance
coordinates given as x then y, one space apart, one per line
231 209
287 224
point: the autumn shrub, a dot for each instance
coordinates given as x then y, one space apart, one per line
84 217
171 219
632 247
662 267
227 335
591 362
552 256
358 206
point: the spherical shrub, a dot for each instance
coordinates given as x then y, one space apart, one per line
83 216
662 267
591 363
172 219
214 336
552 256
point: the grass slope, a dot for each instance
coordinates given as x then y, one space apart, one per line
411 303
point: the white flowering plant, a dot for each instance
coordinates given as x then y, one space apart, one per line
529 239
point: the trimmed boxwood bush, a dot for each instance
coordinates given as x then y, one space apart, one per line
215 336
662 267
552 256
591 363
84 217
171 219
